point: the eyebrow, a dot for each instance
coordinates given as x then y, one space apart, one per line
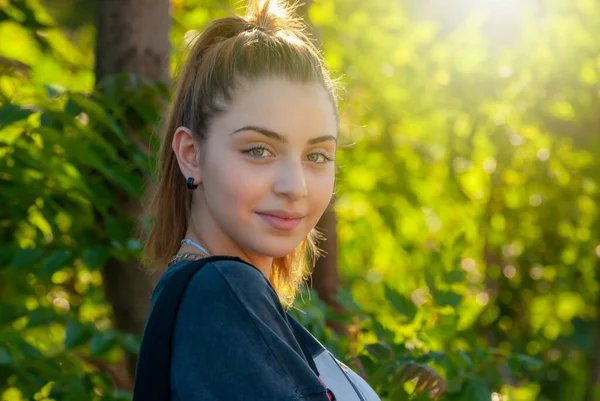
278 137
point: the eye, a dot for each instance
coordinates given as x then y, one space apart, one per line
258 152
318 157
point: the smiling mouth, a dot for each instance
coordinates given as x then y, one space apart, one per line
281 223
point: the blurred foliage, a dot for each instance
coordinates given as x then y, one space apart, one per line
467 205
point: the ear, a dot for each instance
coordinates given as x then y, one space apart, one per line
187 151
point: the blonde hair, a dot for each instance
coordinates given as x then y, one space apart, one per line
267 42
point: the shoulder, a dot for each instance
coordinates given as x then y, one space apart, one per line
222 279
215 271
231 275
229 328
223 291
227 282
235 270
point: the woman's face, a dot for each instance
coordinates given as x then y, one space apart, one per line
267 169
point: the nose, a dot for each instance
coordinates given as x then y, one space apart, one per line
291 181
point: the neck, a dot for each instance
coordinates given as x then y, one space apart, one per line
217 243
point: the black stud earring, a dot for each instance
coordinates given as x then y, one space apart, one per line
190 183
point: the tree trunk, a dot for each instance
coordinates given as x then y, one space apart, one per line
132 37
593 388
325 277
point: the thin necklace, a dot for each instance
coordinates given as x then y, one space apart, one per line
189 255
195 244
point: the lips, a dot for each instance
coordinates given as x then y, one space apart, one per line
282 220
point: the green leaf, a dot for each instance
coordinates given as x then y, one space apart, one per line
398 393
5 358
134 245
447 298
455 387
41 317
529 362
401 304
118 229
76 334
345 297
131 183
54 262
6 254
367 363
97 113
430 280
520 363
465 358
380 351
122 395
95 258
26 258
455 276
9 313
129 342
11 113
54 90
146 111
28 351
77 389
476 390
80 156
381 332
438 357
382 373
460 243
103 342
111 87
44 392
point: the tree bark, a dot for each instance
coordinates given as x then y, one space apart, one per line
132 37
325 277
593 388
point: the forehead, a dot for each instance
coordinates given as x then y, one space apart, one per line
289 108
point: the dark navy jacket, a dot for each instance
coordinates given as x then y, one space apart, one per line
232 340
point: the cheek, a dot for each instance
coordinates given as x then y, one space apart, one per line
321 189
238 185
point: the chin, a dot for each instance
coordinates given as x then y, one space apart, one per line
279 247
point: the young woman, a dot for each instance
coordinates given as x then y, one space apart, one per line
246 171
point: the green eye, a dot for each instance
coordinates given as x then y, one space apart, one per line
319 158
258 152
313 157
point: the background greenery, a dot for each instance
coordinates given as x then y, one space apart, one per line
467 206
